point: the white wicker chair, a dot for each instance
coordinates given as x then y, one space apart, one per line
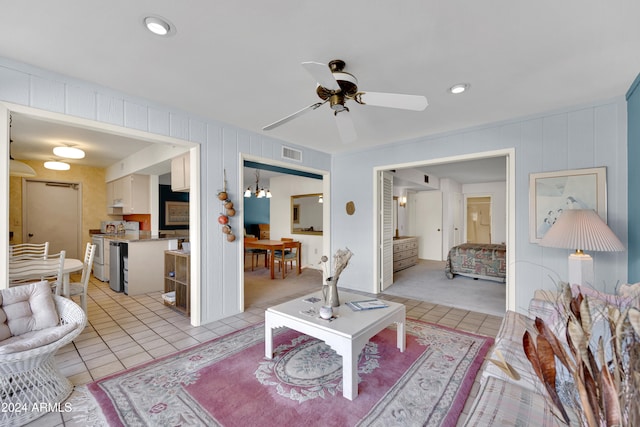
31 378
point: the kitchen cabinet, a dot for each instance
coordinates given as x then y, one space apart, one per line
129 195
405 253
180 170
176 279
142 254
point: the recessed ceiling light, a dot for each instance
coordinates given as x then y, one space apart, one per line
68 152
159 26
459 88
57 166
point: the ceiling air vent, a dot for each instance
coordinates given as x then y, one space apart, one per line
291 154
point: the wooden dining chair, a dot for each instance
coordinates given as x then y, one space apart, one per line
29 250
27 270
255 253
80 288
289 255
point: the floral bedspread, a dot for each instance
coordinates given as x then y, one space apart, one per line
477 260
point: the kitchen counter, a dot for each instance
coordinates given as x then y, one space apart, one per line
141 236
144 254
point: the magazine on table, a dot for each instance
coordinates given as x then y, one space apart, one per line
368 304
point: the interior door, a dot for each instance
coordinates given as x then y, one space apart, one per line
428 224
479 219
386 229
52 213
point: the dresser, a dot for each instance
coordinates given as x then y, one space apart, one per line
405 252
265 233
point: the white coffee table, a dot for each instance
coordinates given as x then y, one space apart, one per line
347 335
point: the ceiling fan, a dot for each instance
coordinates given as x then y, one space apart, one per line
336 86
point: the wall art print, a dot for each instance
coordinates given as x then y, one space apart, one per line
550 193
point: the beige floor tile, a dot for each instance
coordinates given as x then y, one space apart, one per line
101 361
108 369
162 351
129 351
136 359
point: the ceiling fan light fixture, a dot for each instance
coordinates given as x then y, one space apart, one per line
459 88
57 165
158 26
337 103
68 152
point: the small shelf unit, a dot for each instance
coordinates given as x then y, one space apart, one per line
177 265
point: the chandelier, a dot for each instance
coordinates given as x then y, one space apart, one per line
259 192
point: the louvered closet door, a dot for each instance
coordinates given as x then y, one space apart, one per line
386 229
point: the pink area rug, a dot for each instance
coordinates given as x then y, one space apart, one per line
228 382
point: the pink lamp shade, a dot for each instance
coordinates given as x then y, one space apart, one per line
581 229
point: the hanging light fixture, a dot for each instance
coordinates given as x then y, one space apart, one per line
68 152
259 192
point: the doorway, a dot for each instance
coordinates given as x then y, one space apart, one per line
454 209
284 181
478 220
116 131
427 217
53 213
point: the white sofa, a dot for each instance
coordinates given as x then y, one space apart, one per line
505 401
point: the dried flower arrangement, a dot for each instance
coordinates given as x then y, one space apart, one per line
340 262
604 387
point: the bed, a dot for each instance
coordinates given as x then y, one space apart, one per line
477 260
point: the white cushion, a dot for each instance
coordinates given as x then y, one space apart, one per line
29 307
35 339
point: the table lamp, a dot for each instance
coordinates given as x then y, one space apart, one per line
581 229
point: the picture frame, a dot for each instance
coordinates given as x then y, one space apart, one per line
550 193
176 213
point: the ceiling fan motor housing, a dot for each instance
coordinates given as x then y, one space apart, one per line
347 82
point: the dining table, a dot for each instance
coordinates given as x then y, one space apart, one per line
36 268
275 245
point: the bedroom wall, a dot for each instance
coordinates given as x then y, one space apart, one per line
579 137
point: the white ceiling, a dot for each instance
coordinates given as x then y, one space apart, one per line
239 62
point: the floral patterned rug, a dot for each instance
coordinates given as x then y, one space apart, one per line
229 382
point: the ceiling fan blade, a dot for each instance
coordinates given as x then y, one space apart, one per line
392 100
322 74
293 116
346 129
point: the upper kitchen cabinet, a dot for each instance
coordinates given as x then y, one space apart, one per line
180 173
129 195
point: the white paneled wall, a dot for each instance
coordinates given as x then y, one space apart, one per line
589 136
283 187
221 146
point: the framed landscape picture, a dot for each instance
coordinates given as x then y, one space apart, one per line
550 193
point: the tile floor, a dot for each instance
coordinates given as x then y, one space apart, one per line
124 331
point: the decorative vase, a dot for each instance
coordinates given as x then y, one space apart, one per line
330 293
326 311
